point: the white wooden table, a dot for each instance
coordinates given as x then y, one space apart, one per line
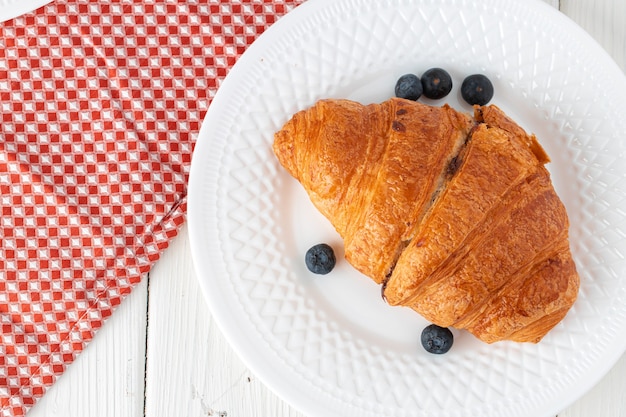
162 355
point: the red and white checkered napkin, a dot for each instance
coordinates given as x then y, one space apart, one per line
100 104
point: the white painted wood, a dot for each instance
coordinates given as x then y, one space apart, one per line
107 378
191 369
606 399
553 3
604 20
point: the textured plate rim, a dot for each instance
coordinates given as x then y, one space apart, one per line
10 9
238 341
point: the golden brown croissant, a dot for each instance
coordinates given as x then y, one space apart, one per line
455 216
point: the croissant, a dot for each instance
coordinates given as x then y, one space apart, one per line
455 216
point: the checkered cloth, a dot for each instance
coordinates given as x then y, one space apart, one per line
100 105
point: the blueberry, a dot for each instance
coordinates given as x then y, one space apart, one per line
320 259
477 89
436 83
437 339
409 86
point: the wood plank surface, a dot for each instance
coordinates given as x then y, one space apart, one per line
604 20
107 378
192 371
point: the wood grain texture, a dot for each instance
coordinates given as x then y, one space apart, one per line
606 399
191 369
605 21
107 378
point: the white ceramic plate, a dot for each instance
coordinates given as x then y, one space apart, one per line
328 344
13 8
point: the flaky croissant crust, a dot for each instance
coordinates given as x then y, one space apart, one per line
456 217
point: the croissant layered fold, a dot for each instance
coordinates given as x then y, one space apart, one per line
455 216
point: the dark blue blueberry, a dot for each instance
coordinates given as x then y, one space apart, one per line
320 259
436 83
409 86
477 89
437 339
